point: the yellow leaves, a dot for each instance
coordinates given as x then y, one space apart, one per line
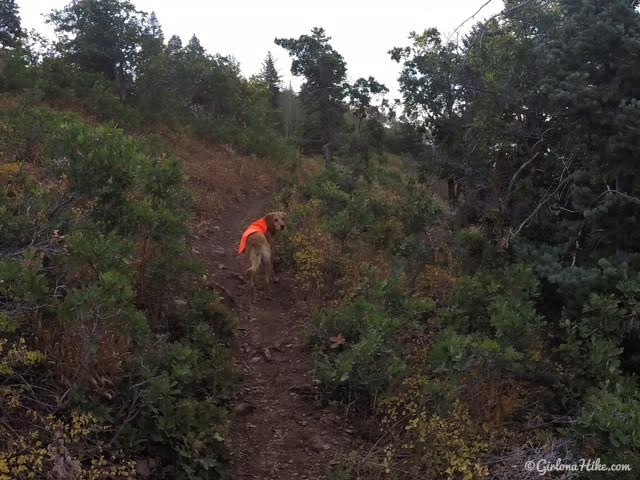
82 425
8 170
444 445
17 354
312 251
46 442
33 357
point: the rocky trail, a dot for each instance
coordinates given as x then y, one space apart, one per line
281 430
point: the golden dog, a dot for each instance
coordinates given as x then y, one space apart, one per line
257 240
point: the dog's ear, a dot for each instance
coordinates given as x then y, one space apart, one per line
269 219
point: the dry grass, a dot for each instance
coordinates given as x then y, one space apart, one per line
219 176
78 355
310 168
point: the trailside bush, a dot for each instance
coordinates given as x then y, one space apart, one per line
609 423
102 312
358 355
359 348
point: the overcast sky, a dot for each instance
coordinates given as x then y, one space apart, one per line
362 31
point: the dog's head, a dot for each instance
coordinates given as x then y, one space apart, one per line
276 221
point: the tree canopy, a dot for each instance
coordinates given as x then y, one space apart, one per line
10 30
323 91
102 36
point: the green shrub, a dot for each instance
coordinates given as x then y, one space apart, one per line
455 353
98 292
610 422
359 350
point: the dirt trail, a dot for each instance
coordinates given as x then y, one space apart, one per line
281 430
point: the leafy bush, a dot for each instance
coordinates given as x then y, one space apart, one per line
614 414
103 316
358 356
359 349
609 423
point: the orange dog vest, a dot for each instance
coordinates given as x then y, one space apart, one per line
257 226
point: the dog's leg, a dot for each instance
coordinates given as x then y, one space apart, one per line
254 264
268 266
250 276
274 271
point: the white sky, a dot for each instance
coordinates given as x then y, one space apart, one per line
362 31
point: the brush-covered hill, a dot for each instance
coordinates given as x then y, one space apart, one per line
461 272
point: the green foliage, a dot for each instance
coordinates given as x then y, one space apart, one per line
187 384
10 31
361 93
534 116
271 77
359 352
94 270
111 62
102 37
614 415
323 90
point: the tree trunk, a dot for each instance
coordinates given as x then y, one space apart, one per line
327 151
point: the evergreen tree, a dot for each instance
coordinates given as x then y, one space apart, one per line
271 77
174 45
10 30
153 38
194 48
592 78
323 90
103 36
152 42
155 29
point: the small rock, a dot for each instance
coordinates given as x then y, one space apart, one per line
216 228
222 266
219 250
267 354
318 444
256 359
243 407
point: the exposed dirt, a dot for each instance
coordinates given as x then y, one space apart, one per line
281 430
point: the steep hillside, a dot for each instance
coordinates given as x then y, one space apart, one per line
115 355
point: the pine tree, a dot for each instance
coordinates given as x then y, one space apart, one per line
323 90
103 36
152 39
174 45
155 29
194 47
271 77
10 30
